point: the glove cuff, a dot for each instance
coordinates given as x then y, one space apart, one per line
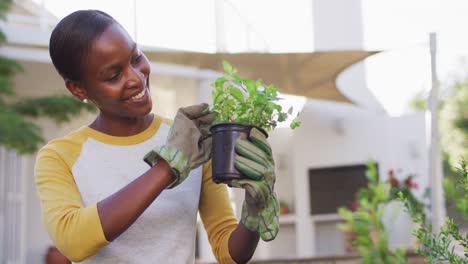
264 221
249 219
176 160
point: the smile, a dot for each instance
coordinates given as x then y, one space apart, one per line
138 96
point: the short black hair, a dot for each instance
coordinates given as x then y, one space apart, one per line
72 39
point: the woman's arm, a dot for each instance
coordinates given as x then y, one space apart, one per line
231 242
78 231
118 211
242 244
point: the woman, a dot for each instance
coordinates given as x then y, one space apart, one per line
101 202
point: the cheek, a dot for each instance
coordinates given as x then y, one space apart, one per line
108 94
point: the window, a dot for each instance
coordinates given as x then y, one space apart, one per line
334 187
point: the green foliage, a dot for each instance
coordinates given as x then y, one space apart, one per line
4 7
454 123
405 187
366 222
439 246
17 132
248 101
456 190
8 68
52 107
418 102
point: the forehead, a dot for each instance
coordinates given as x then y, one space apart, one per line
109 46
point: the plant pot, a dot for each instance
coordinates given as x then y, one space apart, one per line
284 210
225 136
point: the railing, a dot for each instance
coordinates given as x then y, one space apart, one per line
12 208
41 22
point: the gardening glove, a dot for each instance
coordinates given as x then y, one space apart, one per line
188 143
260 210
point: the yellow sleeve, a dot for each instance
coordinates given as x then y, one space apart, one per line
217 215
75 230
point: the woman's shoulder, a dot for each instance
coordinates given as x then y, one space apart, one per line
65 145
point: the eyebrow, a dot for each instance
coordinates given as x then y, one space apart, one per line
116 65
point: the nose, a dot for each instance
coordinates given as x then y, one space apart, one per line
136 78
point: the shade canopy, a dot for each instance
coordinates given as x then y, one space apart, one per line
306 74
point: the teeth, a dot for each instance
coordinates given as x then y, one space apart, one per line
138 96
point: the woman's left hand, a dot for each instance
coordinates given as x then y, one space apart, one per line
260 210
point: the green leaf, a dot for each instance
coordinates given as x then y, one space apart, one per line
282 117
228 68
295 124
236 93
219 82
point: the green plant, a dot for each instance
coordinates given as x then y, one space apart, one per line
365 221
454 123
248 101
440 246
456 190
405 186
17 131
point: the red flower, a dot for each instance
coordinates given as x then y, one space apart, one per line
393 181
354 206
391 172
409 182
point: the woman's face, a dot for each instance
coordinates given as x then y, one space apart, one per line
115 75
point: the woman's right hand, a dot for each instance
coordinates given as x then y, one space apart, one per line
188 144
260 210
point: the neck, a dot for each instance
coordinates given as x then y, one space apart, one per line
121 127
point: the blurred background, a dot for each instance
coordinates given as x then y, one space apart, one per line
359 71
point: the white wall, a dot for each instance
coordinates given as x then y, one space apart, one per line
338 26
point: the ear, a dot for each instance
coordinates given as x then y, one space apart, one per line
76 89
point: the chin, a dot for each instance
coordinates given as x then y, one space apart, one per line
147 108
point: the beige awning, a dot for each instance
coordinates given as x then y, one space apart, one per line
307 74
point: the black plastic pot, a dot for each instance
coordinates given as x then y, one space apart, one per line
225 136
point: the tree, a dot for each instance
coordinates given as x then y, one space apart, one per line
454 123
17 130
453 116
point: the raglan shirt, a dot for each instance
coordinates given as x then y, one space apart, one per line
75 172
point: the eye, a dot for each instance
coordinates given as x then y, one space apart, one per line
114 77
137 58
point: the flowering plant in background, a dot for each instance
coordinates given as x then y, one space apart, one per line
395 186
406 186
439 246
364 221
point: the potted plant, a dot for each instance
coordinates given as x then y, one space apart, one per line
242 104
284 207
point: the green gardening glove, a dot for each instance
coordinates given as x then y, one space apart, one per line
260 210
188 143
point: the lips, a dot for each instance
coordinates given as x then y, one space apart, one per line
138 95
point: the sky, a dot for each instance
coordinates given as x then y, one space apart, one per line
399 28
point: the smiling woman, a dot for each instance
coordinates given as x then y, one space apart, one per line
112 72
100 200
